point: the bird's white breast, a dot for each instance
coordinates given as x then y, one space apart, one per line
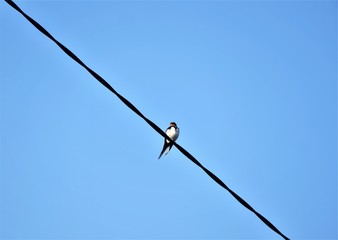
173 133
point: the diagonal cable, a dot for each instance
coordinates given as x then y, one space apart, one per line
153 125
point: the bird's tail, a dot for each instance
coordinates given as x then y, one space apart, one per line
168 149
161 154
164 148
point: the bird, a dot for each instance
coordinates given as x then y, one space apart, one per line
172 131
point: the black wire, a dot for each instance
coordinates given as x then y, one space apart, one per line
153 125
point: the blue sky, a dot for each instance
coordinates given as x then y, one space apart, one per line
251 84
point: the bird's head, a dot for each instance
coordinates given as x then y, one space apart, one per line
173 124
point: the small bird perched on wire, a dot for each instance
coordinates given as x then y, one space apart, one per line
172 131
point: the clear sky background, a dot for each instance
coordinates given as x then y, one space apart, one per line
251 84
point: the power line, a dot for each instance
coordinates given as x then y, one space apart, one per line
153 125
